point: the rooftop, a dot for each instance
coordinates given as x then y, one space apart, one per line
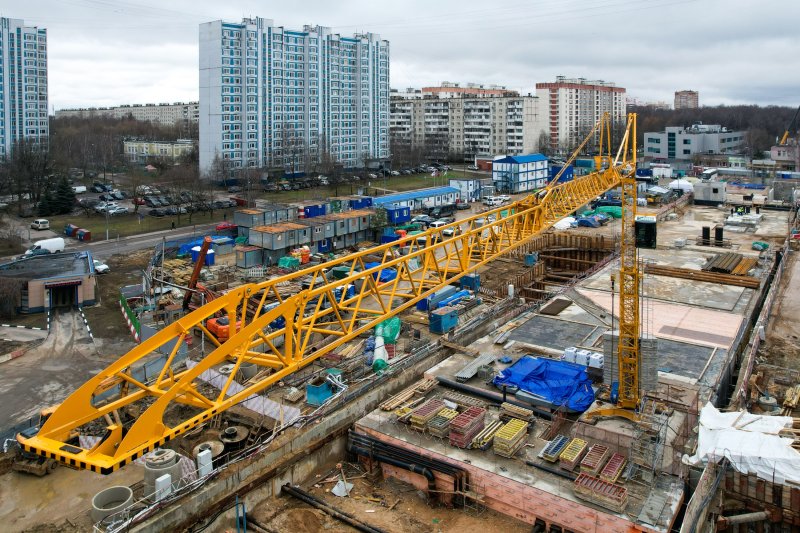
414 195
50 266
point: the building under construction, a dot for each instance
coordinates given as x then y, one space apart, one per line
557 377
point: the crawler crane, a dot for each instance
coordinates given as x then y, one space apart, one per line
315 321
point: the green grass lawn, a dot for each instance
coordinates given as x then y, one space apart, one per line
370 187
126 225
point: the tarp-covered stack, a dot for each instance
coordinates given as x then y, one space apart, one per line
510 438
466 426
549 383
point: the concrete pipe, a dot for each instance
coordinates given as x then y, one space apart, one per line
157 464
234 437
726 521
216 447
248 370
160 458
110 501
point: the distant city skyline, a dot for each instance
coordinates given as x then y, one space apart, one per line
106 54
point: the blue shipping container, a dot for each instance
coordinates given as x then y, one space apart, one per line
398 215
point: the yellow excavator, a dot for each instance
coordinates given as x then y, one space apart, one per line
283 331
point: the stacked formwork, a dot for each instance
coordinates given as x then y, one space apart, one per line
601 492
595 460
572 454
466 426
423 414
439 425
510 438
613 468
554 448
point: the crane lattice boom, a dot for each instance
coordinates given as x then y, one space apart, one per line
316 321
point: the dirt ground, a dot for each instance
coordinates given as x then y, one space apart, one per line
783 335
106 318
410 511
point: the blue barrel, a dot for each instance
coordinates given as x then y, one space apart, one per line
209 258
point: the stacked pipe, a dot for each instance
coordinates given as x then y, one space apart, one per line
372 448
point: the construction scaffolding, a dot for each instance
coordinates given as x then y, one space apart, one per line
647 445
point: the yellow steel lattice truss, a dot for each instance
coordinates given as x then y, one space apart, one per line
318 320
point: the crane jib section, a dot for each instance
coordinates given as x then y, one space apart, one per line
284 331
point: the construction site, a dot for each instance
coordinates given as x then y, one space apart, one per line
502 371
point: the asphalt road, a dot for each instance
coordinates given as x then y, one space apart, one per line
103 249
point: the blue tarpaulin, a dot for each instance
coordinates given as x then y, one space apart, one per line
387 274
557 382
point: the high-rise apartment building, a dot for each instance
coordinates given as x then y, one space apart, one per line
687 99
270 96
182 114
442 128
574 106
23 84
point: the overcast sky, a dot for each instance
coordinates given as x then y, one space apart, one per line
108 52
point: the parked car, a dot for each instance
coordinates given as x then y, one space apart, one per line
171 211
234 188
114 211
373 176
40 224
102 207
119 195
449 232
156 213
170 200
100 267
424 220
138 201
447 220
163 200
226 226
462 205
98 188
107 197
395 172
472 167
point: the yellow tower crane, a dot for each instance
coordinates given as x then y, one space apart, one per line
284 333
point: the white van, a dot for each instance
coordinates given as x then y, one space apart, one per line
46 246
493 201
40 224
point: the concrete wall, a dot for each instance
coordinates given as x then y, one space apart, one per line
288 461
